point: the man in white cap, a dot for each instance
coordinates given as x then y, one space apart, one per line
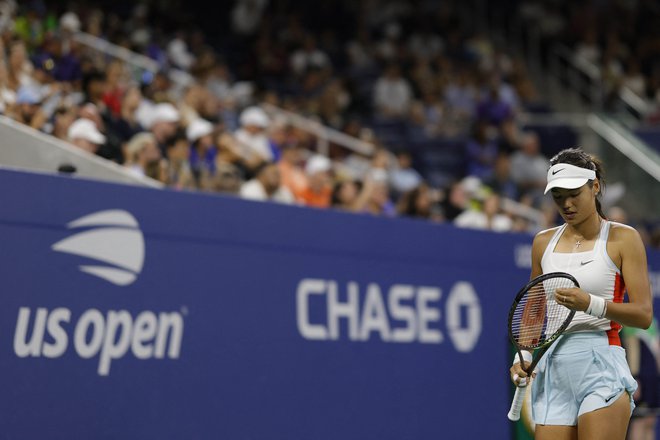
84 135
252 136
319 182
164 123
202 151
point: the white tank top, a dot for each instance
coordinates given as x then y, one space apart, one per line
596 273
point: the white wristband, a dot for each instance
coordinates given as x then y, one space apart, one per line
527 357
597 306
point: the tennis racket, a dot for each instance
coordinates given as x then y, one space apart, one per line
536 320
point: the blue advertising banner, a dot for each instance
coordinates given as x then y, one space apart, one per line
136 313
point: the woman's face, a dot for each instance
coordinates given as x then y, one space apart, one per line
576 205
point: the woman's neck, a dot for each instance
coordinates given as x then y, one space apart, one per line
588 229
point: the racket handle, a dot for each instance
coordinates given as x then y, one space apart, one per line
516 405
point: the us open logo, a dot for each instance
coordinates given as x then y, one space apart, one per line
115 239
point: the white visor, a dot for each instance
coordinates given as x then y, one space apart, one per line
568 176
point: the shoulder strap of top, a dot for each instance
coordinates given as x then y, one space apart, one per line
601 243
553 241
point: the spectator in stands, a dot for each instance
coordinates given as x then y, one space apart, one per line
228 179
318 192
163 123
455 202
420 202
252 137
114 88
266 185
481 151
493 108
404 177
292 169
501 181
19 66
378 197
84 134
94 87
62 120
203 152
490 217
461 95
309 57
7 95
392 94
125 125
529 168
143 156
179 173
26 109
345 194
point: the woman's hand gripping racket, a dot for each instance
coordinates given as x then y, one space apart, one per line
536 320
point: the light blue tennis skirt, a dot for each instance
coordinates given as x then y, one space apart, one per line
580 373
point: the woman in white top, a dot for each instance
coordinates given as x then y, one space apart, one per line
582 387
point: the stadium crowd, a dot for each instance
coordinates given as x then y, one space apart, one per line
437 100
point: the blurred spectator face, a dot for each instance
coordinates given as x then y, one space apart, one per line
270 178
347 193
458 196
132 98
150 152
179 151
379 194
381 159
503 166
115 72
423 201
293 155
404 159
530 144
227 179
617 214
63 119
492 205
96 88
17 56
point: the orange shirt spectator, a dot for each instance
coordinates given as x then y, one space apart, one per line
318 192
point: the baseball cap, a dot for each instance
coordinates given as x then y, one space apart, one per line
198 128
563 175
164 112
85 129
70 21
317 164
254 116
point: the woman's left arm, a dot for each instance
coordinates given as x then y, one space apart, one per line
638 312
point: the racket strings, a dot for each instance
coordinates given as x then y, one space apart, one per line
538 316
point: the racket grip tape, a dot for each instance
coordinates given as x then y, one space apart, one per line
516 405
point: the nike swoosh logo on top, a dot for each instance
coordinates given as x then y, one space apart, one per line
585 262
556 171
610 398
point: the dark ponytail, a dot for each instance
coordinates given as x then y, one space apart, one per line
578 158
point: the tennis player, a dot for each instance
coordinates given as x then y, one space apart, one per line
582 387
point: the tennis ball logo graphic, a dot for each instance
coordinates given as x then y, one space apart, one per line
113 238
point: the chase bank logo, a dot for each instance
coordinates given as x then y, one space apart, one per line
111 237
